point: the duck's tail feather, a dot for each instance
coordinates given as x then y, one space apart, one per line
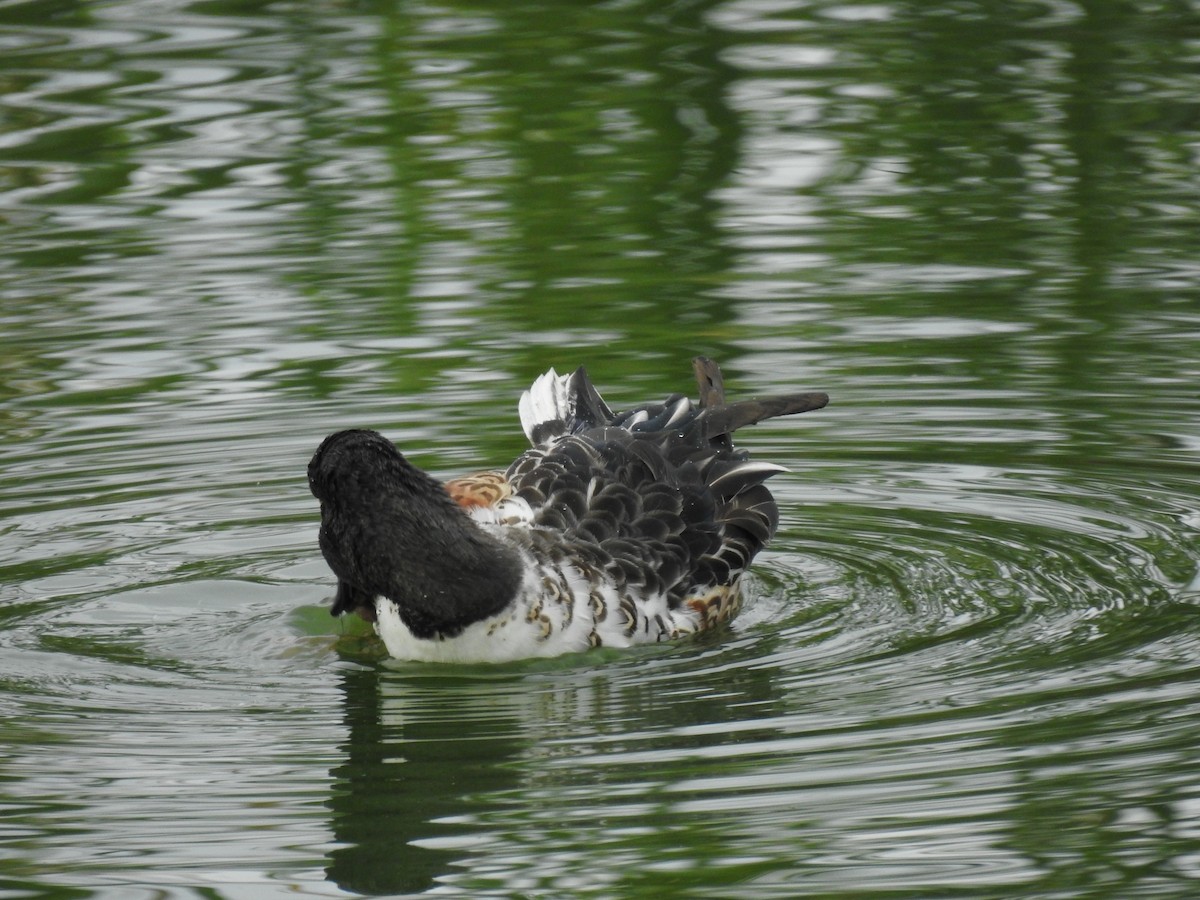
557 404
709 381
561 404
722 419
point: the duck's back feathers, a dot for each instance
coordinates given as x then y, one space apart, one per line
659 488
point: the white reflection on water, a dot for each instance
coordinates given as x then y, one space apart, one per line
968 660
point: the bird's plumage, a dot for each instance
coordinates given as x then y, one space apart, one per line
612 529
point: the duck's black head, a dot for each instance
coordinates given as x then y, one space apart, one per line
351 465
388 529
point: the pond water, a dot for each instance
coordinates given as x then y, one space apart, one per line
970 662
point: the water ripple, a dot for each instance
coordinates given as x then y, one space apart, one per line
967 665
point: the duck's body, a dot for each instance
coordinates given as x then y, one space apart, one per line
613 530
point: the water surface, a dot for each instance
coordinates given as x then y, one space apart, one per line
968 663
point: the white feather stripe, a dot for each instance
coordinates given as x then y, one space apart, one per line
682 407
546 400
525 410
748 469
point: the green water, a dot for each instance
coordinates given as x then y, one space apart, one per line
969 663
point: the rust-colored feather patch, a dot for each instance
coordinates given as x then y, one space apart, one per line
717 605
479 489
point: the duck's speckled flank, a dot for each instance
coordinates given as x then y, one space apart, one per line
563 607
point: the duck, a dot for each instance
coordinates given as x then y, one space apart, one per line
612 529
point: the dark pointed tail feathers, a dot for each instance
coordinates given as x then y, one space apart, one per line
560 404
722 419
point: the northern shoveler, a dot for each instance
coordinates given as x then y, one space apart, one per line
614 529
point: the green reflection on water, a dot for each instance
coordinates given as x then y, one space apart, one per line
230 229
